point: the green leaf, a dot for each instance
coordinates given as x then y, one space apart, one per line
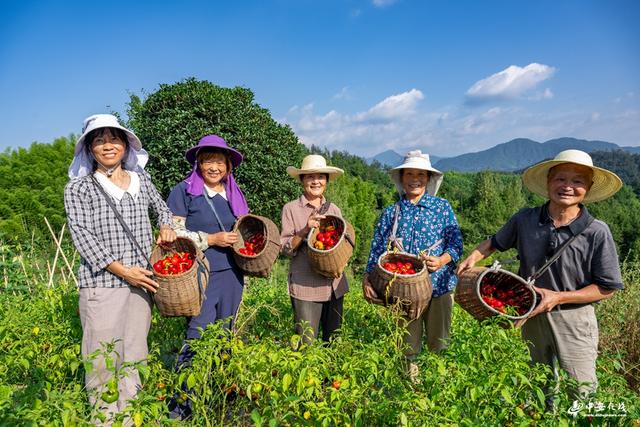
191 381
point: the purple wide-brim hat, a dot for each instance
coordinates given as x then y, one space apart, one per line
213 141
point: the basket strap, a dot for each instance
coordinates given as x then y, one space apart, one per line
201 270
127 230
394 229
210 203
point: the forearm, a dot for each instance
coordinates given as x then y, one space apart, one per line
482 251
198 237
588 294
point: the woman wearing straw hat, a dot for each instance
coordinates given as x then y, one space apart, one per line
563 327
205 207
107 203
426 225
316 300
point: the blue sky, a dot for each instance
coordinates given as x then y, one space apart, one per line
448 77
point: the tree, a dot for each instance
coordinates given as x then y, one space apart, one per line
176 116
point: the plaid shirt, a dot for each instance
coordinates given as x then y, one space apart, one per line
98 234
304 283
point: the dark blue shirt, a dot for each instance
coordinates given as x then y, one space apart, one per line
199 217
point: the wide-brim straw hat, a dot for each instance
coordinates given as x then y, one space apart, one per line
98 121
416 160
605 183
314 163
213 141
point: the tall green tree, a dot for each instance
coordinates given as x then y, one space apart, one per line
173 119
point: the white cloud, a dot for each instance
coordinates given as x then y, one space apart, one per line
383 3
344 93
393 107
511 82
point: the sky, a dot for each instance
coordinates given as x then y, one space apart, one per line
365 76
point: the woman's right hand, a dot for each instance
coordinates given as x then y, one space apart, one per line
140 278
368 291
222 239
314 220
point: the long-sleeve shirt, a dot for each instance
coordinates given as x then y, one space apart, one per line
429 224
304 283
98 234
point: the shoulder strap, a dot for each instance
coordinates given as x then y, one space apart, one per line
393 240
555 256
127 230
213 208
324 208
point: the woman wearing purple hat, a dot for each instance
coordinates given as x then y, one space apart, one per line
205 207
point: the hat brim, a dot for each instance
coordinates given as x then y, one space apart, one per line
134 141
605 183
435 180
192 154
333 172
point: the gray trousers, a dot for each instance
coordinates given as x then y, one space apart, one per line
309 316
436 321
569 337
122 315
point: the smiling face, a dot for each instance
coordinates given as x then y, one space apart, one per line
568 184
314 185
414 183
214 166
108 146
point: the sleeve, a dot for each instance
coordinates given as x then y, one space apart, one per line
200 238
507 236
177 201
158 205
380 234
452 235
605 267
80 219
288 232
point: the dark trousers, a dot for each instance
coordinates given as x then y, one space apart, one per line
309 316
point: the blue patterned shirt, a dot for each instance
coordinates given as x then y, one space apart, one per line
420 227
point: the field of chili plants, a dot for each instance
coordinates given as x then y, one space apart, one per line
262 377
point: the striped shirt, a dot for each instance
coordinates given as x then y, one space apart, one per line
304 283
98 234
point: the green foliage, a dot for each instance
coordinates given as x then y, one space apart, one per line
31 187
175 117
625 165
261 376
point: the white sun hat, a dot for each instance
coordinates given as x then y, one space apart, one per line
82 163
416 160
605 183
314 163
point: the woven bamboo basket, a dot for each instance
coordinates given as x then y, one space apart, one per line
468 292
260 264
411 291
331 263
181 294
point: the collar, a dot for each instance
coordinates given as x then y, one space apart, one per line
212 193
423 202
576 227
305 202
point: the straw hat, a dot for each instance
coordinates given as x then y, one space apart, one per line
605 183
416 160
314 163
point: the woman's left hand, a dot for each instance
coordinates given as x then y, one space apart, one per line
167 235
434 263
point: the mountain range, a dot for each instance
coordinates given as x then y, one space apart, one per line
510 156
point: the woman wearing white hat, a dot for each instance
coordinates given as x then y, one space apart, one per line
317 301
563 327
108 190
426 225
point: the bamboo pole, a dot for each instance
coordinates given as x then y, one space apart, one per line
59 245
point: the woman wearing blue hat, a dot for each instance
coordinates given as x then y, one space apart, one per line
205 207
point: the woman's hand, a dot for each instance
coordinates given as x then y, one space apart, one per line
223 239
167 235
140 278
368 291
314 220
435 263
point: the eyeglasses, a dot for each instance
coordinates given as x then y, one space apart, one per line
207 163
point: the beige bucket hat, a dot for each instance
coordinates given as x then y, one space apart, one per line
314 163
605 183
416 160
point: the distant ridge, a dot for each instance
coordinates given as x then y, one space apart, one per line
520 153
391 158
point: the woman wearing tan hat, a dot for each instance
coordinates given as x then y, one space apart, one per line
563 327
425 225
108 182
316 300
